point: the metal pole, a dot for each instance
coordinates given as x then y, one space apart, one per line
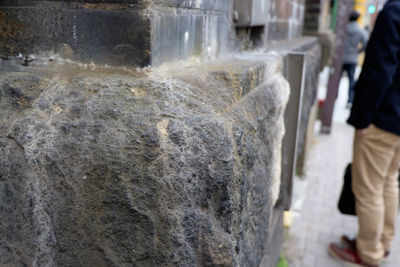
344 9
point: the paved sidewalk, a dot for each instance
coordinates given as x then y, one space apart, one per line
317 221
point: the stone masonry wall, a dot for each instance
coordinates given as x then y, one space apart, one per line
133 32
138 33
112 32
156 168
103 163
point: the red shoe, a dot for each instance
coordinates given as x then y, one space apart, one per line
348 256
351 243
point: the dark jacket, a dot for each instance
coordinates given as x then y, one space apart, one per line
377 92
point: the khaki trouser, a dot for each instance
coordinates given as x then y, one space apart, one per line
375 171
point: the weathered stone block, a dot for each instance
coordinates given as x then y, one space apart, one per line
167 167
158 169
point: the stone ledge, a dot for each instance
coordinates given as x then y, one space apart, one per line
300 44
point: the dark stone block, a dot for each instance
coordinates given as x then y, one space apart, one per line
35 2
100 35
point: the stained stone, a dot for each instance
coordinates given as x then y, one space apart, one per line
152 169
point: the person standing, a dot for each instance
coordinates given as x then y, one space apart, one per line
356 41
376 152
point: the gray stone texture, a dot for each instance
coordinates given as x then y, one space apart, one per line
157 168
114 34
137 33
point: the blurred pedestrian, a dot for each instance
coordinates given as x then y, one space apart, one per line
376 153
356 41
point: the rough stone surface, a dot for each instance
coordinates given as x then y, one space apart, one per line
160 168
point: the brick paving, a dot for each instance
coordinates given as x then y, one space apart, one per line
317 222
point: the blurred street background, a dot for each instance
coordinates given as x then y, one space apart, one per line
316 219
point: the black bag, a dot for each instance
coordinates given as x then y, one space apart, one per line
346 203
